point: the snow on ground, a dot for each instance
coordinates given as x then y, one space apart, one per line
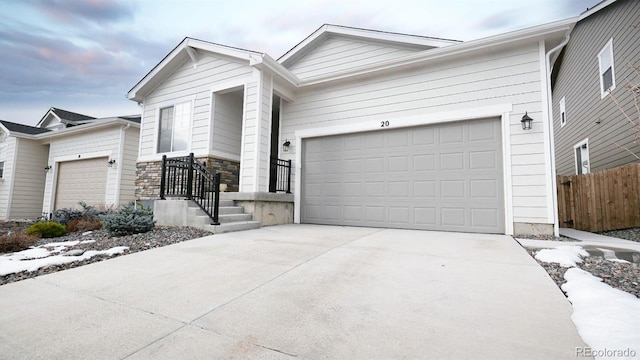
607 319
566 256
48 254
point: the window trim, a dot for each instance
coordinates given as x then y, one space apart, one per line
577 146
164 105
563 112
607 50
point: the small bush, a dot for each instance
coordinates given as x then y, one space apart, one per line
16 241
46 229
85 223
65 215
129 220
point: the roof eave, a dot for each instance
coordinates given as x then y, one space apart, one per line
86 127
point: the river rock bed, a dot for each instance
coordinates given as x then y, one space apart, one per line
620 275
100 240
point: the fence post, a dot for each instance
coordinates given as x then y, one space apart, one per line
216 199
162 178
289 177
190 178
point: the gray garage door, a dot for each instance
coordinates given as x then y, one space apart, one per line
439 177
81 180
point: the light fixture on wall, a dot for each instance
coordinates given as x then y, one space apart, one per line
526 122
47 168
111 162
285 146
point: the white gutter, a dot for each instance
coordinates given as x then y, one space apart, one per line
552 155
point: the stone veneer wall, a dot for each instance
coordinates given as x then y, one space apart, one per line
148 175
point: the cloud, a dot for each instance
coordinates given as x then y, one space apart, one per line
98 11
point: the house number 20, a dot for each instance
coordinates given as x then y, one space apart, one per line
384 123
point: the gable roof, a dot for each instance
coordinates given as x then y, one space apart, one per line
65 117
23 129
188 48
328 30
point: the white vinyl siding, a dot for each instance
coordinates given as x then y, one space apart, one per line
7 153
337 54
511 76
184 83
129 156
607 71
227 123
29 179
563 113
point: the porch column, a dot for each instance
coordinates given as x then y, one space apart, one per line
256 134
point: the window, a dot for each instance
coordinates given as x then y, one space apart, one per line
173 133
1 169
607 72
563 113
581 151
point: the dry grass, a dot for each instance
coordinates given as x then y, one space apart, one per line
17 241
85 223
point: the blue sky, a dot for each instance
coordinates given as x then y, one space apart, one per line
84 55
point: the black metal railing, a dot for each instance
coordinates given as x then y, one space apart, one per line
187 177
280 175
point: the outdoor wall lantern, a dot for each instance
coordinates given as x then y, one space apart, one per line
285 146
47 168
526 122
111 162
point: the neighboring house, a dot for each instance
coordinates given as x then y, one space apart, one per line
600 60
384 129
67 158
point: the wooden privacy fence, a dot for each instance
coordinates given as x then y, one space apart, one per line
606 200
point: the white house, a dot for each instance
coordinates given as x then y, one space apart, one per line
65 159
384 129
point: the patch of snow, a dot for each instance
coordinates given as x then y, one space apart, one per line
87 241
566 256
607 319
33 253
87 233
13 263
62 243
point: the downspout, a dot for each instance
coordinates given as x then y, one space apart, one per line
120 164
548 68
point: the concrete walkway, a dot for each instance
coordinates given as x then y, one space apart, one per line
297 291
584 239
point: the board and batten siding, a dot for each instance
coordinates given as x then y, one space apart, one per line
129 157
89 144
578 81
189 83
508 76
337 54
7 155
227 123
29 180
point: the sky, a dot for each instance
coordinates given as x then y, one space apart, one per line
85 55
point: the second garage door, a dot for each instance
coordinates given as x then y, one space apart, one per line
440 177
81 180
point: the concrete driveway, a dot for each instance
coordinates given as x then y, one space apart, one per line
297 291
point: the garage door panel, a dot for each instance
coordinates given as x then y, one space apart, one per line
402 179
81 180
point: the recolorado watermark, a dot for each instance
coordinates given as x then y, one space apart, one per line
604 353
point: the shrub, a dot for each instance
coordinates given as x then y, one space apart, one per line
80 220
46 229
85 223
16 241
131 219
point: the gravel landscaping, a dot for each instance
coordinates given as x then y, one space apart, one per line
632 234
100 240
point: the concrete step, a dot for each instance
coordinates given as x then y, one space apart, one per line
234 218
232 226
226 210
